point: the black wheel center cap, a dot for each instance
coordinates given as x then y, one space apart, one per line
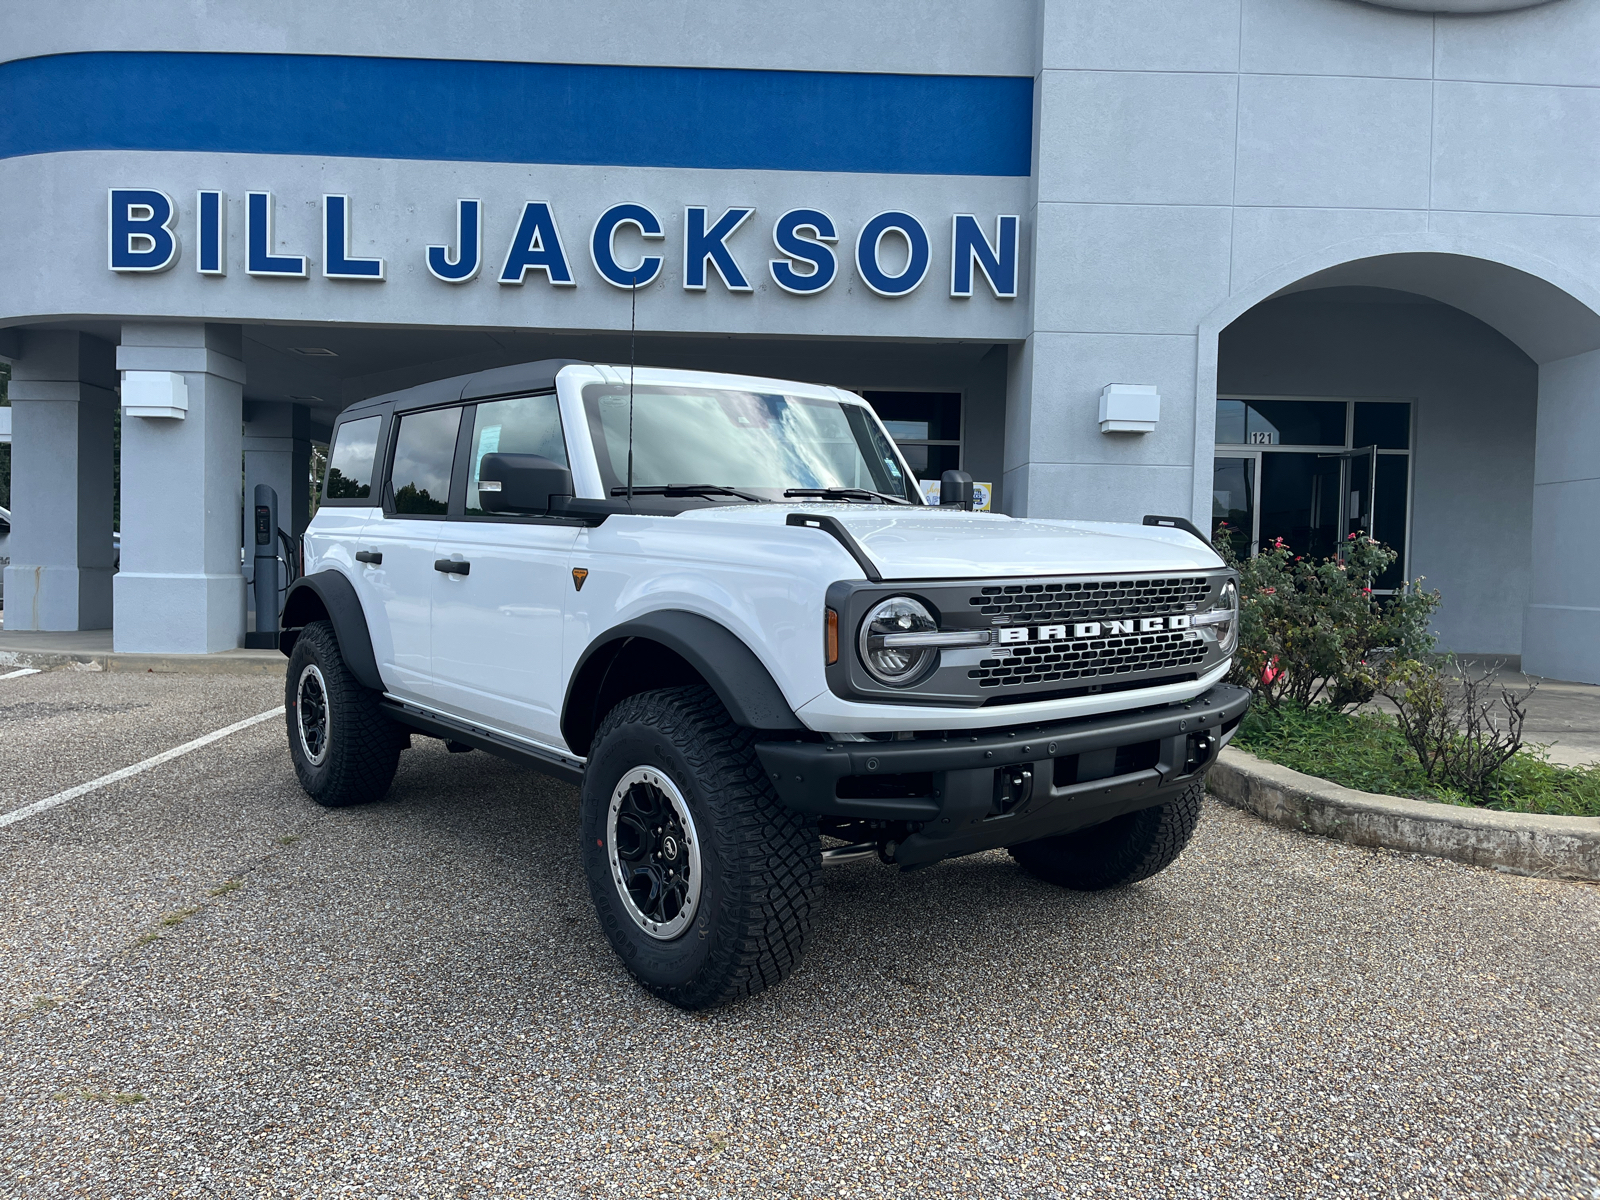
669 847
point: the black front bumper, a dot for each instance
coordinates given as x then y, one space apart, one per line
958 793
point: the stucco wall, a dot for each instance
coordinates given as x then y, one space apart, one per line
1476 398
1188 152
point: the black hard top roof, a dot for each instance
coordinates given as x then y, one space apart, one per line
537 376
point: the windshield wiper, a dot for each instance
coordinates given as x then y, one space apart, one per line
687 489
846 493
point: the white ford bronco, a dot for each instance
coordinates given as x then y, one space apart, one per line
721 607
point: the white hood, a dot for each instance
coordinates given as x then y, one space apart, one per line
929 543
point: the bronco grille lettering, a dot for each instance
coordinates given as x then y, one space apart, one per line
1091 629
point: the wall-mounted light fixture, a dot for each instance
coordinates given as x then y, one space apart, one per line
1129 408
155 394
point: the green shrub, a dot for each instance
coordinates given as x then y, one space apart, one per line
1311 629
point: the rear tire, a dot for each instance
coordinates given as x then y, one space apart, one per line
702 880
345 750
1117 852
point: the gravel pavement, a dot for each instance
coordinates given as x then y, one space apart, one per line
211 987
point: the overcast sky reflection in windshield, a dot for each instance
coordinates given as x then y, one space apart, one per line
739 439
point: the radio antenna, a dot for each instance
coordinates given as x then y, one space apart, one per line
633 325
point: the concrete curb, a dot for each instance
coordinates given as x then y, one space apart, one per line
227 662
1521 843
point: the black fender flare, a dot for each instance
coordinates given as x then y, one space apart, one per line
739 678
330 593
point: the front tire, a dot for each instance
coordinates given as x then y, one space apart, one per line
702 881
345 750
1117 852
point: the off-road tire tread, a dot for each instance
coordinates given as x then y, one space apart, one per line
1154 839
364 749
769 854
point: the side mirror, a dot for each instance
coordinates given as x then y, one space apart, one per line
521 483
955 490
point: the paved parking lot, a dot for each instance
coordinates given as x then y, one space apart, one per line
213 988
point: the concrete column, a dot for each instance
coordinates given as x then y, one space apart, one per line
180 589
1060 464
1130 251
1561 624
62 410
277 452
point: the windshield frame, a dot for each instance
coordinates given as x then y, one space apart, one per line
862 419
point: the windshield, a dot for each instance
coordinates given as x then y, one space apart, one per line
754 441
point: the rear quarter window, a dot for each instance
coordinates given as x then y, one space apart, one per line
351 459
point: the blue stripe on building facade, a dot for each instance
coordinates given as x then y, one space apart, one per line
404 108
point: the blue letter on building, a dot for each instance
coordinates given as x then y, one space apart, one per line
258 256
536 246
869 241
701 244
140 234
998 262
786 236
211 210
336 260
602 250
469 242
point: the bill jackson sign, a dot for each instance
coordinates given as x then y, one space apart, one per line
143 236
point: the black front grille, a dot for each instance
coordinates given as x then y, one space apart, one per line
1051 662
1089 600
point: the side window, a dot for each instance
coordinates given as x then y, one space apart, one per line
355 447
523 425
424 449
925 425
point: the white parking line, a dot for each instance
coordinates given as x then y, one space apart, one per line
23 671
94 785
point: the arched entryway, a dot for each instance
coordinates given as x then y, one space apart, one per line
1446 399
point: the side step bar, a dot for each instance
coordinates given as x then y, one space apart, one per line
453 729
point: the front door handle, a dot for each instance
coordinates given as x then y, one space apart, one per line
451 566
371 557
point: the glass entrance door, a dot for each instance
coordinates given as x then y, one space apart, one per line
1357 495
1312 471
1233 503
1300 502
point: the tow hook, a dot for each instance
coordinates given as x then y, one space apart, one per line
1201 747
1013 788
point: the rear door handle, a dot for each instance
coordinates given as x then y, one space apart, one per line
452 567
372 557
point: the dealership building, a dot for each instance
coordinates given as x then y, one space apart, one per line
1299 266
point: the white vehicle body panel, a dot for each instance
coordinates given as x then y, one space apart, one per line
932 543
767 590
828 713
497 633
397 595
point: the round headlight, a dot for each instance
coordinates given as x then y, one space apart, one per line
1228 634
897 666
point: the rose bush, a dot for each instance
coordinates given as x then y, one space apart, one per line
1312 630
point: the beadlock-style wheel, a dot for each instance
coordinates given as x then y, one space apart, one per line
722 909
654 853
311 692
344 747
